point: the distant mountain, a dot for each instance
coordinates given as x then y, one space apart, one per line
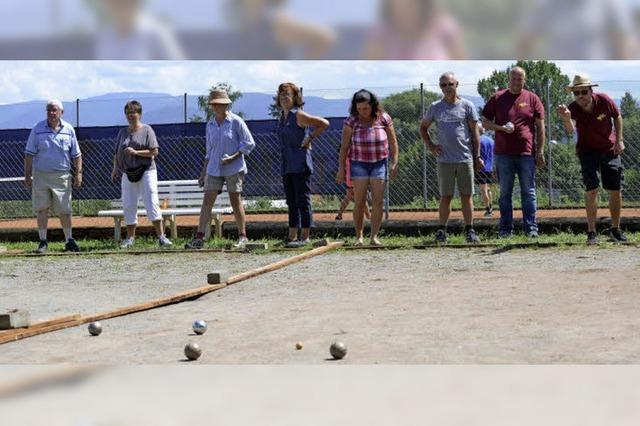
162 108
158 108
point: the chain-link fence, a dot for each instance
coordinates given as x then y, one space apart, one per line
559 183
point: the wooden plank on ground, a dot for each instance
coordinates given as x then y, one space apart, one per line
176 298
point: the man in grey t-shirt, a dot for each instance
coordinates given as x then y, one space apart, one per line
458 152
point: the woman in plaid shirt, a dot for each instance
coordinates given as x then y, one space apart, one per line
368 137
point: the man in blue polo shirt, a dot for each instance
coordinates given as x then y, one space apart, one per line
228 141
51 147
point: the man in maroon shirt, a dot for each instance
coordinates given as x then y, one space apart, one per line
516 115
594 116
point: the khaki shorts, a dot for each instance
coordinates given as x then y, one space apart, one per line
215 183
51 189
450 173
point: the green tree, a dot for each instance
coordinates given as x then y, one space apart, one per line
404 109
540 74
629 106
274 111
203 101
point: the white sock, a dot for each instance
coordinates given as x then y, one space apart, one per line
67 233
42 233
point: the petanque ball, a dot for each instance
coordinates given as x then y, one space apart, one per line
95 328
199 326
338 350
192 351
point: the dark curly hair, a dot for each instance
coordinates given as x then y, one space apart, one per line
363 95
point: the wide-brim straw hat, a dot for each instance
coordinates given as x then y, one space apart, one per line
580 80
219 97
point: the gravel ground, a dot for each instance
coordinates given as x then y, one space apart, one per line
440 306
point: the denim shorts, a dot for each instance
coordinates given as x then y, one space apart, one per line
362 170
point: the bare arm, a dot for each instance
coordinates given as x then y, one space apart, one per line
424 133
77 164
565 115
347 132
393 148
540 139
28 169
490 125
618 148
319 125
148 153
475 143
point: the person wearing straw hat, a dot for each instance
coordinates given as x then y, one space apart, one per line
228 141
48 155
598 123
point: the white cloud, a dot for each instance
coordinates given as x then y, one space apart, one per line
27 80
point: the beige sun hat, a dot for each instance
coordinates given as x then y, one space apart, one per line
219 96
580 80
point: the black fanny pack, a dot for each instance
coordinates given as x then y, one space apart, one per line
135 174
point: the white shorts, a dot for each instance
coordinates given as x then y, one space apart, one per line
147 187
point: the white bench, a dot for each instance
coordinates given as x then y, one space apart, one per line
177 198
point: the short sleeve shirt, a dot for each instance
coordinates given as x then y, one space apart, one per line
52 150
522 109
595 129
142 139
369 144
452 125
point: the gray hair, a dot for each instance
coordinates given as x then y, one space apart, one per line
448 74
56 103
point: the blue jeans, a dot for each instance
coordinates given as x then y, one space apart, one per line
524 166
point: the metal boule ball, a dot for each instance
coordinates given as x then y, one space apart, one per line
338 350
95 328
199 326
192 351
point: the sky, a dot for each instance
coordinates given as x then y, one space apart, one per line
23 81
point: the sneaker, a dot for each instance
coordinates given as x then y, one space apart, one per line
441 236
488 212
533 234
195 244
616 235
128 243
71 245
505 234
298 243
471 237
42 247
375 242
592 238
163 241
339 217
242 242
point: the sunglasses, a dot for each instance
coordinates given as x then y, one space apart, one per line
447 84
580 92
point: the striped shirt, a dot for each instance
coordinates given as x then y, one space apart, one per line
369 144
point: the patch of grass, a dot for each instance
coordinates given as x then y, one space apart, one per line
563 239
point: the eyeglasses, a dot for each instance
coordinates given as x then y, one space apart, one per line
447 84
580 92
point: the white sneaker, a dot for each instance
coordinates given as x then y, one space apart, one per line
128 243
163 241
242 242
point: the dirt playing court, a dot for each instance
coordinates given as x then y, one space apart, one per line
434 306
